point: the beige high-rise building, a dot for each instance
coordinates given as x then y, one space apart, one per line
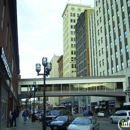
54 72
109 38
70 15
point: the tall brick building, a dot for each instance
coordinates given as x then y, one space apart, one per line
9 60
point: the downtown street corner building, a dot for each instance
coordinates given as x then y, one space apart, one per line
109 27
9 60
70 16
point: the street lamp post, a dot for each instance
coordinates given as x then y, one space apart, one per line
30 95
47 68
35 89
26 102
29 98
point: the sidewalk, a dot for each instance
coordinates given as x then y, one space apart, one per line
29 125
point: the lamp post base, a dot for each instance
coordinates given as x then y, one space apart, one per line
33 117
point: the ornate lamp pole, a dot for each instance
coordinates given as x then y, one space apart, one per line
47 68
35 89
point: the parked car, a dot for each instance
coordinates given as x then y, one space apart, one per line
84 123
101 114
120 114
61 122
87 113
52 115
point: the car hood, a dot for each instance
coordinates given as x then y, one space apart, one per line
78 127
57 122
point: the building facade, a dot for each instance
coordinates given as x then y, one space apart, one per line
109 27
54 101
70 16
82 44
9 60
60 66
54 71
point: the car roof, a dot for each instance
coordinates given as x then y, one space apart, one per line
123 111
85 117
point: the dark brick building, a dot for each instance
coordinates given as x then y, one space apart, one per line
9 60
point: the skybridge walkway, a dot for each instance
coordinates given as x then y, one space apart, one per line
110 86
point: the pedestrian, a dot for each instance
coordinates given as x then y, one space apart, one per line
14 116
25 115
10 118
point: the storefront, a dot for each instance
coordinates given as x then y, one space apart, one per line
111 106
5 76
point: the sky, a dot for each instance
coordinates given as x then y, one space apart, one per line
40 32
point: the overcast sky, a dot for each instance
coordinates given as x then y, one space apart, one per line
40 31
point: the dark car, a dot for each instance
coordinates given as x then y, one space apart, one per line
61 122
52 115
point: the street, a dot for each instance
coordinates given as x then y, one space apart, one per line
104 124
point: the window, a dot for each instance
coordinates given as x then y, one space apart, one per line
108 11
122 65
103 62
122 8
128 3
118 13
111 57
97 13
120 38
121 51
72 9
79 9
101 39
116 54
109 22
119 25
112 70
99 52
99 9
100 63
117 67
115 41
99 42
97 22
124 21
117 2
127 48
98 32
103 72
112 6
111 44
100 19
113 18
72 20
102 50
3 14
128 63
125 34
101 29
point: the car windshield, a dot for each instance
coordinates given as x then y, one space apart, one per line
55 112
61 118
84 121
